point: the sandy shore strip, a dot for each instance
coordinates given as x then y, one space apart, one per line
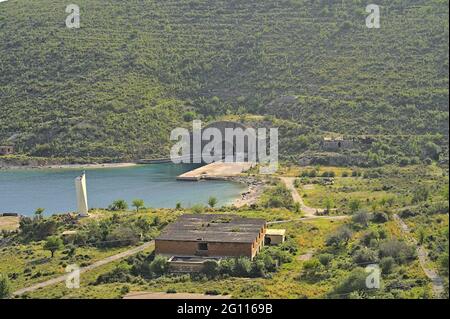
73 166
254 190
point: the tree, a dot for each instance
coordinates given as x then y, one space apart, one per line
226 266
143 224
355 205
242 267
325 259
387 264
38 212
198 209
122 236
138 203
365 255
312 269
211 268
342 235
329 204
119 204
362 218
53 243
159 265
398 250
5 288
212 201
355 281
71 250
432 150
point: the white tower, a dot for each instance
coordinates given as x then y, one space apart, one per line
82 204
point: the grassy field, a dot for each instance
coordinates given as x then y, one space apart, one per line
282 285
285 283
386 188
30 264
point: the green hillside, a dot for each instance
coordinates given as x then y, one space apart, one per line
116 87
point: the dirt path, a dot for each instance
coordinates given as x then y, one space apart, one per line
308 211
96 264
303 219
436 281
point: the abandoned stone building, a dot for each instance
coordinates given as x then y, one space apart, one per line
212 235
194 238
336 144
6 149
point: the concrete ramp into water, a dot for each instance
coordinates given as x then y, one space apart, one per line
216 170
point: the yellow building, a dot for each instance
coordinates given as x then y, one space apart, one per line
275 236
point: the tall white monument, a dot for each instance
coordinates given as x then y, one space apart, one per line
82 204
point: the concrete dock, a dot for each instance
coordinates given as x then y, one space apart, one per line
216 170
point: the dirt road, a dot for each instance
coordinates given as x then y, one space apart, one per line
308 211
436 281
96 264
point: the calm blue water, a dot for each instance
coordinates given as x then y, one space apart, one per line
23 191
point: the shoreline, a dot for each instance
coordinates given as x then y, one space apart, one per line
70 166
255 188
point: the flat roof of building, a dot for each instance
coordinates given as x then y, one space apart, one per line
280 232
213 228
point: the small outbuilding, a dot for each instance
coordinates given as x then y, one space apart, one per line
6 149
275 236
336 144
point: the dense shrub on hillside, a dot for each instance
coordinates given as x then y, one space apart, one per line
365 256
380 217
277 197
37 228
121 236
339 237
125 102
5 288
398 250
119 274
313 270
159 266
354 282
211 268
361 218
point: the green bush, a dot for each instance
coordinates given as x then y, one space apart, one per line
226 266
210 268
354 282
159 265
387 264
242 267
365 256
5 288
121 236
361 218
121 273
341 236
312 270
198 209
52 244
380 217
398 250
325 259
